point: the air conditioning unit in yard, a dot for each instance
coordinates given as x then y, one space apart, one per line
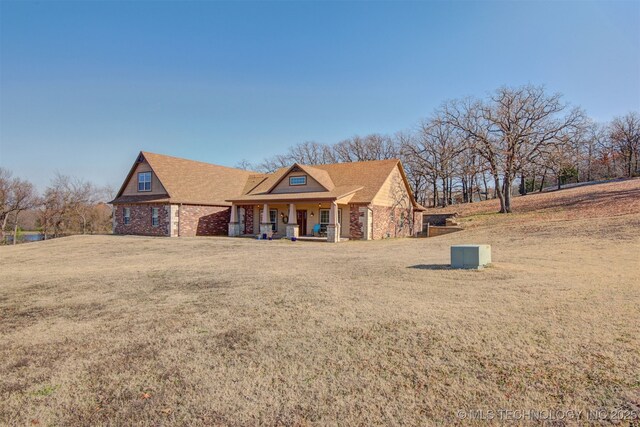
470 256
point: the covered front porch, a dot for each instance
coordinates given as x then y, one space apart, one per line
318 220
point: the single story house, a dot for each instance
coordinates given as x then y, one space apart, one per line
164 195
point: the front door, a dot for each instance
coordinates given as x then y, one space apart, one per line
302 222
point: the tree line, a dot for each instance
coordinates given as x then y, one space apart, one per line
515 140
66 206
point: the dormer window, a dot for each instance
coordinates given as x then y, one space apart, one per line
298 180
144 181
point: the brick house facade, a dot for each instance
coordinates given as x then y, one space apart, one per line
168 196
140 219
386 222
188 197
173 220
355 201
395 222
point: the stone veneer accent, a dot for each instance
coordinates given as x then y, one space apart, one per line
140 220
333 233
173 220
293 230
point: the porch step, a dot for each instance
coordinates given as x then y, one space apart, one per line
318 239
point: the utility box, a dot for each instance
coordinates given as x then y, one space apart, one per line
470 256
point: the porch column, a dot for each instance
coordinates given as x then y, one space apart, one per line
292 214
234 226
333 228
265 225
293 230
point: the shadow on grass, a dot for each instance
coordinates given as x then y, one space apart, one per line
431 266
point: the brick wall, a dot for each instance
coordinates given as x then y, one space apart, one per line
140 220
194 220
392 222
248 219
197 220
355 223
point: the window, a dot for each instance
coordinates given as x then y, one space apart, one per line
298 180
154 217
144 181
324 216
126 214
273 218
324 219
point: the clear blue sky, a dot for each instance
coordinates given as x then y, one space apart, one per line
85 85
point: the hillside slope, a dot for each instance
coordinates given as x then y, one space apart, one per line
602 200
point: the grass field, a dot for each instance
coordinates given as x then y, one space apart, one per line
118 330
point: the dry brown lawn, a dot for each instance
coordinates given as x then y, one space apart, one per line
109 330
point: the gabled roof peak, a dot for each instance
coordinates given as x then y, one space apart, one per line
321 176
191 181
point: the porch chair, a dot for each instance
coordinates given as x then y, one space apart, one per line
316 230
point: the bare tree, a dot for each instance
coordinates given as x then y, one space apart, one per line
416 175
82 200
370 147
24 197
16 196
520 132
6 203
421 160
244 164
561 160
311 153
513 128
435 149
625 136
355 149
274 163
595 140
467 165
55 206
72 205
